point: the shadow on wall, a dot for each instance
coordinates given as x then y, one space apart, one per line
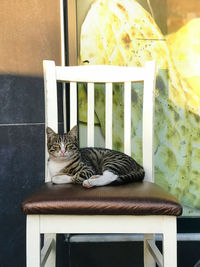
22 131
21 157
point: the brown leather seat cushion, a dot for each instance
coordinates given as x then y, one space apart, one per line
131 199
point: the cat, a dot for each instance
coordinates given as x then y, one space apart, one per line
90 167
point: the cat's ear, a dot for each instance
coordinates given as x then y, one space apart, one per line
50 133
73 132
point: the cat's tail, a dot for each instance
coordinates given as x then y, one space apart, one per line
134 176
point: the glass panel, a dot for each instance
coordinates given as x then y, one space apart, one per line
131 32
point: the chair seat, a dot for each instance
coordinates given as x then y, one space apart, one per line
144 198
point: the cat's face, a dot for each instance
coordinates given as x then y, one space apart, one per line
62 147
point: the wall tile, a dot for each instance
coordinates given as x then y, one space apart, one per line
22 99
21 170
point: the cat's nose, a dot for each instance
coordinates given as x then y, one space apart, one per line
62 153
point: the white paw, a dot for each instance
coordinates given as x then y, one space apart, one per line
91 182
61 179
100 180
95 176
88 183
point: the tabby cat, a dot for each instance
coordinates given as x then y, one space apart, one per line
88 166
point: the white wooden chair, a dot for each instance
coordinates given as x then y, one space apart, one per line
133 208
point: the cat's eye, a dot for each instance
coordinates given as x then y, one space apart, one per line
55 146
70 146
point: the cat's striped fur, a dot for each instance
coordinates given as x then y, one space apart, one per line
88 166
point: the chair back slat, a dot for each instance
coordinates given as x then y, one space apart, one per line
148 109
106 75
90 114
127 118
73 104
51 108
99 74
108 115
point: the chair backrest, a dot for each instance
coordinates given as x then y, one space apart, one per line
108 75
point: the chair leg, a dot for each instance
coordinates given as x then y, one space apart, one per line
148 259
32 241
170 243
51 261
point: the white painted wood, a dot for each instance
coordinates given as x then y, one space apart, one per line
32 241
155 252
113 224
108 115
170 242
46 250
148 225
127 118
101 224
73 104
51 109
64 108
51 259
148 108
99 73
90 115
148 258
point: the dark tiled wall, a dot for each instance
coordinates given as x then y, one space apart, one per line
22 132
22 99
21 159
